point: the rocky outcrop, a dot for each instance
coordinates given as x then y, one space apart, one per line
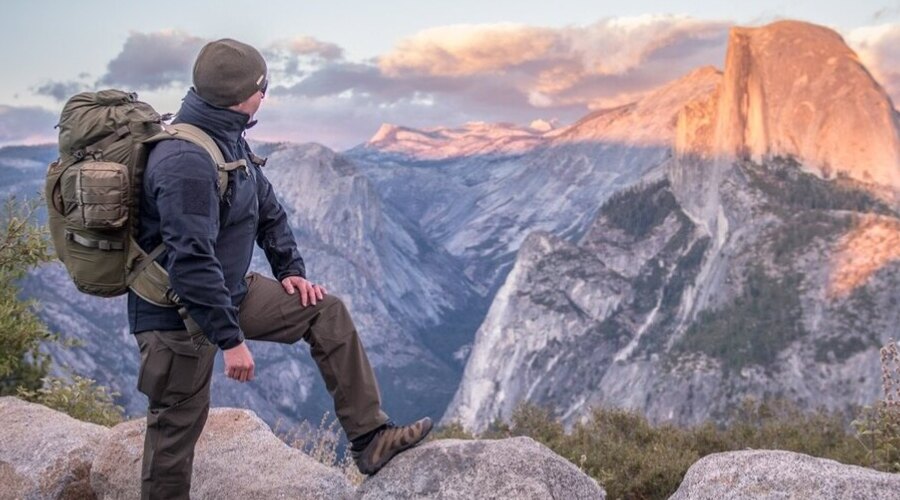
44 453
517 468
767 474
237 456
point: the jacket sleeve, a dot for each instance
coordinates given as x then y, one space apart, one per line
184 186
274 234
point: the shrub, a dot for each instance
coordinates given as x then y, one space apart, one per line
632 458
454 430
23 366
878 426
80 398
781 425
22 245
639 209
752 329
787 185
324 445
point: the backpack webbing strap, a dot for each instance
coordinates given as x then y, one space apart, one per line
196 135
102 144
145 261
106 245
259 161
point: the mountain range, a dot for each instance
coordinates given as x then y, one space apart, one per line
731 233
763 262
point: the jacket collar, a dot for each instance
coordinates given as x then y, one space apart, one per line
222 124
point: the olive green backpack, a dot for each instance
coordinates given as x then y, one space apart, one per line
93 192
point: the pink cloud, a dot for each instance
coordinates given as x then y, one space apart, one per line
878 48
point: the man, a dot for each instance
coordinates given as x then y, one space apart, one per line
209 241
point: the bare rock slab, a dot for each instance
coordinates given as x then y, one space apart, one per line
766 474
517 468
45 453
237 456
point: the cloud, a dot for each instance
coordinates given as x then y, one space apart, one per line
510 72
153 61
26 125
439 76
309 46
463 50
61 91
878 48
607 47
885 13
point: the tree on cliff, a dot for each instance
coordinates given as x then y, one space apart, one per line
22 246
24 368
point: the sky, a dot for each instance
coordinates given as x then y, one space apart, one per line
339 69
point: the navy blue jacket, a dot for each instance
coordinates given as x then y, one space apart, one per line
209 240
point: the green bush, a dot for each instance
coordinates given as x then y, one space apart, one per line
79 398
639 209
23 366
878 426
322 444
792 189
753 328
22 245
632 458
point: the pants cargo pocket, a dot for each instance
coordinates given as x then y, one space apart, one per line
169 368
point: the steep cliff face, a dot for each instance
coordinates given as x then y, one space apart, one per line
789 89
763 265
646 313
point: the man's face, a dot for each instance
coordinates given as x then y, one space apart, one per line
254 102
251 105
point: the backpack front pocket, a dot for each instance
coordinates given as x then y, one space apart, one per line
101 193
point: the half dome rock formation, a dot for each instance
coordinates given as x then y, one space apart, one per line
819 105
789 89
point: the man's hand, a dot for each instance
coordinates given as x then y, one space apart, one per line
309 293
239 363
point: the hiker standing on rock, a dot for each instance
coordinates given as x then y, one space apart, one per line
208 239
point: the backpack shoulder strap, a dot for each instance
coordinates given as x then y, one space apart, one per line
196 135
147 278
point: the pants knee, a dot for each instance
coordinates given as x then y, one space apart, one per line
335 322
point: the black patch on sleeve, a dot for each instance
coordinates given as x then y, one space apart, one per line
195 196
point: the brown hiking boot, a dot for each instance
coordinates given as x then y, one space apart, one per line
388 442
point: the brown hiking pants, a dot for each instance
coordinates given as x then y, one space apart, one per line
175 375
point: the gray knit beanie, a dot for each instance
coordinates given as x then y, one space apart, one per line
227 72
